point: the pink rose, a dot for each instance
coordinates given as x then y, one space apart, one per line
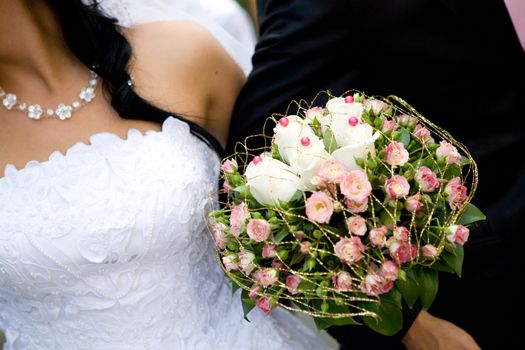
226 186
269 251
423 134
315 113
230 262
263 303
426 179
429 251
401 233
356 207
401 251
255 290
373 284
397 187
292 283
413 203
319 207
450 153
238 217
277 264
356 225
349 250
246 259
229 166
456 193
389 125
377 236
332 171
219 233
305 247
406 120
389 270
266 277
396 154
258 229
342 281
355 186
459 234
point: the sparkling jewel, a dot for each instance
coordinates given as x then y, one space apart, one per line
257 160
34 111
61 112
305 141
9 101
284 122
353 121
349 99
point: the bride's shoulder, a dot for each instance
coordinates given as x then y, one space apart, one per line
181 67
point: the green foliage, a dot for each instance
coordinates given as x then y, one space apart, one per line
390 317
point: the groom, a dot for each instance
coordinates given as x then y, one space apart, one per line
459 63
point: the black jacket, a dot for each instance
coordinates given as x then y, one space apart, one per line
460 64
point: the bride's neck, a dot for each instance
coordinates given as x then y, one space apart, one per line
32 47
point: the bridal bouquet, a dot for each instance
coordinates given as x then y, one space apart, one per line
352 207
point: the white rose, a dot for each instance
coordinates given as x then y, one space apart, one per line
270 180
354 140
300 147
340 111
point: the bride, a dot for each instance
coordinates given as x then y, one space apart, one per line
103 200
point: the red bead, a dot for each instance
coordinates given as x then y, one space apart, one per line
349 99
305 141
284 122
257 160
353 121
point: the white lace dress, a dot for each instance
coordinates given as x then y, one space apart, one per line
106 247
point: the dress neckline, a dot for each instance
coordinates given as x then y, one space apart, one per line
12 170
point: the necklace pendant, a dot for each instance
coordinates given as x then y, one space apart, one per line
9 101
63 112
34 111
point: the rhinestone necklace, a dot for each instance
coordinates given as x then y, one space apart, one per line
61 112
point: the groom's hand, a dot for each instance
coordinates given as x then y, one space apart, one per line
433 333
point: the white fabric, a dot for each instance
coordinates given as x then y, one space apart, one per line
107 247
131 12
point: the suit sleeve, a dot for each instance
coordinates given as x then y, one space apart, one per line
301 50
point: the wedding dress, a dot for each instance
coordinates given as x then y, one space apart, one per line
107 247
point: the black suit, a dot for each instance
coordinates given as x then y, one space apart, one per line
460 64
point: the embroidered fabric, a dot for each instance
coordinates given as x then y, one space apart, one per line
107 247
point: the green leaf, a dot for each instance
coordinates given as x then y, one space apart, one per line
389 311
471 214
247 304
329 141
324 323
441 265
281 235
409 288
455 260
297 197
235 287
404 137
428 281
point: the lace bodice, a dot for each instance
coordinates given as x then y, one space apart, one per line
106 247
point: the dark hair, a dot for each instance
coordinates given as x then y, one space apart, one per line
96 41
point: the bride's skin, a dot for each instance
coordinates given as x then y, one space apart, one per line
177 66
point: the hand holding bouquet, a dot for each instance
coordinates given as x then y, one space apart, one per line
353 207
